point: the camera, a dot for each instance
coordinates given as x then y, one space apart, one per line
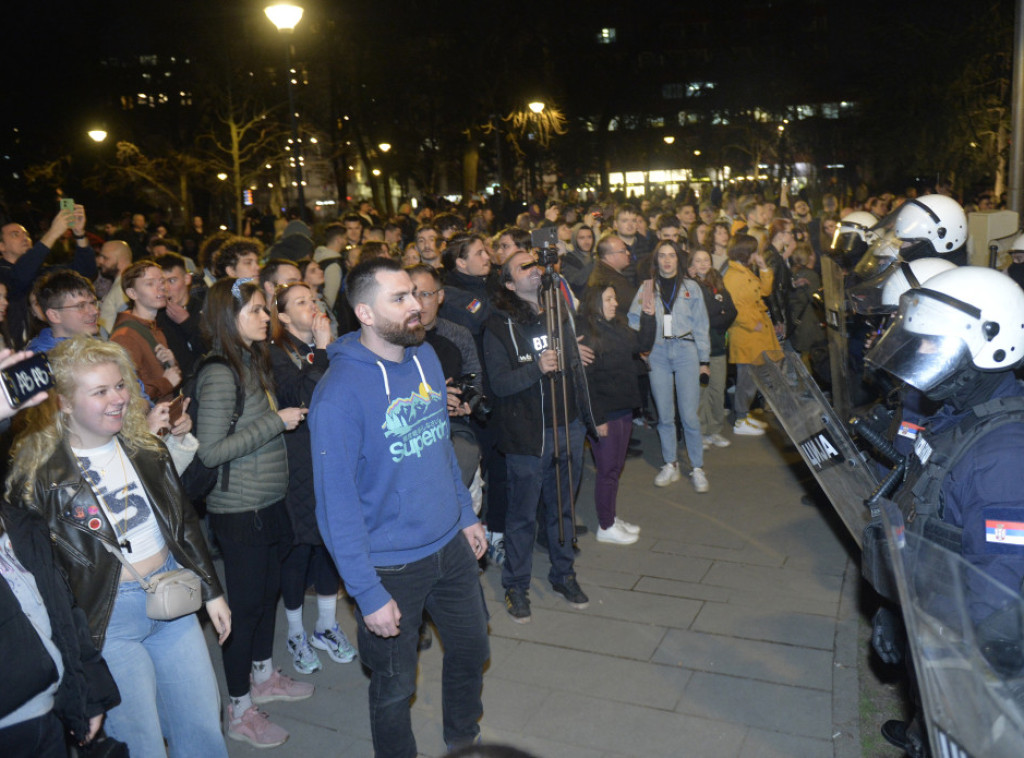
479 404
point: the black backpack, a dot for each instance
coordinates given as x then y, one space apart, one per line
198 480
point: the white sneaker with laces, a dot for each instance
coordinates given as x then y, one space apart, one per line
625 525
669 473
743 426
719 441
700 481
616 535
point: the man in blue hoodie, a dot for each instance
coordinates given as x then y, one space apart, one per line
393 511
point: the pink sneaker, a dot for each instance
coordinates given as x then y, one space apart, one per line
279 687
256 728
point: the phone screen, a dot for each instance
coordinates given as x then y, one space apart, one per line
23 380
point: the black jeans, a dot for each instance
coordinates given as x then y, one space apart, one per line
447 586
253 545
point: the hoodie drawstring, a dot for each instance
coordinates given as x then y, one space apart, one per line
387 386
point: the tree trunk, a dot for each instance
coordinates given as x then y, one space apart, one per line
470 166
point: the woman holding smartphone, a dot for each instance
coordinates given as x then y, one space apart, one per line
246 507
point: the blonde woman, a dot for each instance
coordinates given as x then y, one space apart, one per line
88 463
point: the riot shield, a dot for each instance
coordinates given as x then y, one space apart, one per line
820 436
967 641
832 281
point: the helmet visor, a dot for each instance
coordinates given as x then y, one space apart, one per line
880 255
868 298
928 342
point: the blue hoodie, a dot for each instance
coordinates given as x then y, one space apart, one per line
388 487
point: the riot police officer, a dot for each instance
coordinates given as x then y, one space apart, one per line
957 340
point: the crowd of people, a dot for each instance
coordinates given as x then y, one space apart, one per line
453 373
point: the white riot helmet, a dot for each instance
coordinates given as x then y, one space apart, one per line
924 227
882 294
853 237
1018 245
967 318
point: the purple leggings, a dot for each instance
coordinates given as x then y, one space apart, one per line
609 457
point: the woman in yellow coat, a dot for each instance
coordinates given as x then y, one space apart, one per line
752 332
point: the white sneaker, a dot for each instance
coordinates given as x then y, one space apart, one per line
616 535
706 442
745 427
669 473
626 526
700 481
719 441
756 421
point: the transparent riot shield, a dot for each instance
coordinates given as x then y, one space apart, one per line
820 436
967 641
832 281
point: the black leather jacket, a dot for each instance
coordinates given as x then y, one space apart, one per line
59 492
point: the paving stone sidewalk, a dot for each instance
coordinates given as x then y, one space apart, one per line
729 629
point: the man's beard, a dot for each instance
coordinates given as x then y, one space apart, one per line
402 334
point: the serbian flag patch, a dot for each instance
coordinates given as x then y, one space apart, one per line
473 305
1004 532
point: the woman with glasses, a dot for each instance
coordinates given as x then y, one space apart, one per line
298 355
246 507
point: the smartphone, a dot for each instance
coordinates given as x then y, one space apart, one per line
545 237
24 379
176 409
67 204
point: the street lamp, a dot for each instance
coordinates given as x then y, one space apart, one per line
384 146
285 16
97 135
669 139
536 106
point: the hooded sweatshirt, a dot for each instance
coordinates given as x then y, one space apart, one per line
388 486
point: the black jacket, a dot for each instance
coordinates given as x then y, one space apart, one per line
87 688
520 389
184 339
721 314
466 301
782 288
297 369
604 276
63 497
611 377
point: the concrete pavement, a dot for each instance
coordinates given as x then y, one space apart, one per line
729 629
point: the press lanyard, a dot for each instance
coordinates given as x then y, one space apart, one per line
671 298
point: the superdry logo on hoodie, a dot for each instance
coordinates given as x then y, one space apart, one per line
418 421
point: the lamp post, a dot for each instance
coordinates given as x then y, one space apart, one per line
97 135
285 16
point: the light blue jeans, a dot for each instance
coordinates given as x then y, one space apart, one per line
675 365
168 688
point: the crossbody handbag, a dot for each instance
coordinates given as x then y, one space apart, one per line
169 594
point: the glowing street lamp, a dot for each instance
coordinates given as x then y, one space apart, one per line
97 135
222 176
669 139
285 16
536 106
384 146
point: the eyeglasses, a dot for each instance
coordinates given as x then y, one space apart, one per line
81 307
426 294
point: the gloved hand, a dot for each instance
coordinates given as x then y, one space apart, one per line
887 635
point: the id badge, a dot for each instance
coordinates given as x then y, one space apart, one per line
667 325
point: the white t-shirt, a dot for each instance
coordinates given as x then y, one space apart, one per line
110 473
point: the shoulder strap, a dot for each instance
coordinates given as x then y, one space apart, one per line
950 447
211 359
141 329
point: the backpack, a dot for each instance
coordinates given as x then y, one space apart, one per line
198 480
